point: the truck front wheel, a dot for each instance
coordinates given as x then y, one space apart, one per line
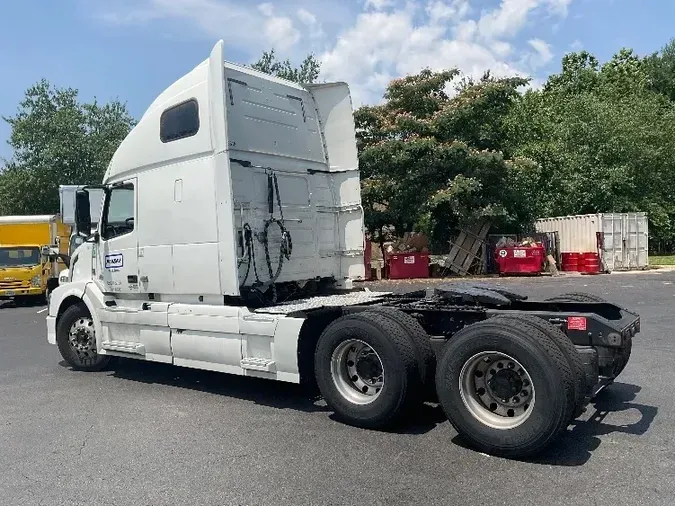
506 387
76 340
366 368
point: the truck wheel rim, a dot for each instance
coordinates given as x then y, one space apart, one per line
82 338
357 371
497 390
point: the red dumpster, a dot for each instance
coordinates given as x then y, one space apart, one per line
408 265
520 260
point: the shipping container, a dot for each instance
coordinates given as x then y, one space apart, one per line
626 241
624 237
577 234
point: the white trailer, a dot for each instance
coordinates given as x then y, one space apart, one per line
230 236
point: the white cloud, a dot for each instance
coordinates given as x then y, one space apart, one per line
306 17
279 30
396 43
440 11
369 42
501 48
267 9
248 27
378 4
576 45
559 6
542 54
281 33
312 25
507 19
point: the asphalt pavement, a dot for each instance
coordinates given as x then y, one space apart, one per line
151 434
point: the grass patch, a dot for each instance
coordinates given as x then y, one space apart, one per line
662 260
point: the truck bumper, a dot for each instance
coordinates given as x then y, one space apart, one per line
20 292
51 329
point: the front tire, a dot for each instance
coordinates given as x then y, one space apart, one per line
366 369
76 340
506 387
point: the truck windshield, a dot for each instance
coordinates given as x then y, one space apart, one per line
19 257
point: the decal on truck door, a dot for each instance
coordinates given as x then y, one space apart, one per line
114 261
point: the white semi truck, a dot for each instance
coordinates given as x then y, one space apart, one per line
230 236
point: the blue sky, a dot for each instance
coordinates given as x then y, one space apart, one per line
133 49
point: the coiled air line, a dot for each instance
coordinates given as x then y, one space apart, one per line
286 246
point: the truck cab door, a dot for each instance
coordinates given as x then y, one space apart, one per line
117 260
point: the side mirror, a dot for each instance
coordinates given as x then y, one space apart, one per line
45 251
82 212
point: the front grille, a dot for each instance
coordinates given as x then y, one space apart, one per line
11 285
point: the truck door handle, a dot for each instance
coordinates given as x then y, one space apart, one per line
132 279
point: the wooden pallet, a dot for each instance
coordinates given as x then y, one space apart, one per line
468 248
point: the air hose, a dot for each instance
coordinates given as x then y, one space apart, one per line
286 244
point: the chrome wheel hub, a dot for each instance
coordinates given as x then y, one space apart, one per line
497 390
357 371
82 338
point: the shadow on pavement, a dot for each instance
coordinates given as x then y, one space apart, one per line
574 448
275 394
26 302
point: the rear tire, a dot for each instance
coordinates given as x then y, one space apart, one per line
576 297
426 358
534 377
582 384
76 340
366 369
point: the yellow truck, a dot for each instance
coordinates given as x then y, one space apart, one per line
30 261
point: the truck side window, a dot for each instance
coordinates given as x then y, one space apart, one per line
179 121
118 218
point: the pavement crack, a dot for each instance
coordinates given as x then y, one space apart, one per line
84 440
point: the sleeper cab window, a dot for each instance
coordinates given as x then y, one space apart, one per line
179 121
119 217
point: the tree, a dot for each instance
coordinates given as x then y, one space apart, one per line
307 72
604 141
432 162
660 68
57 140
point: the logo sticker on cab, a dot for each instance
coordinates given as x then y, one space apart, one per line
114 261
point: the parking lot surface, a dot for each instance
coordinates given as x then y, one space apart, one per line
153 434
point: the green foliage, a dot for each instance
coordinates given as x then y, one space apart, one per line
307 72
432 162
596 138
604 139
660 68
57 140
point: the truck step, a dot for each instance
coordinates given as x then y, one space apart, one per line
257 364
124 347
